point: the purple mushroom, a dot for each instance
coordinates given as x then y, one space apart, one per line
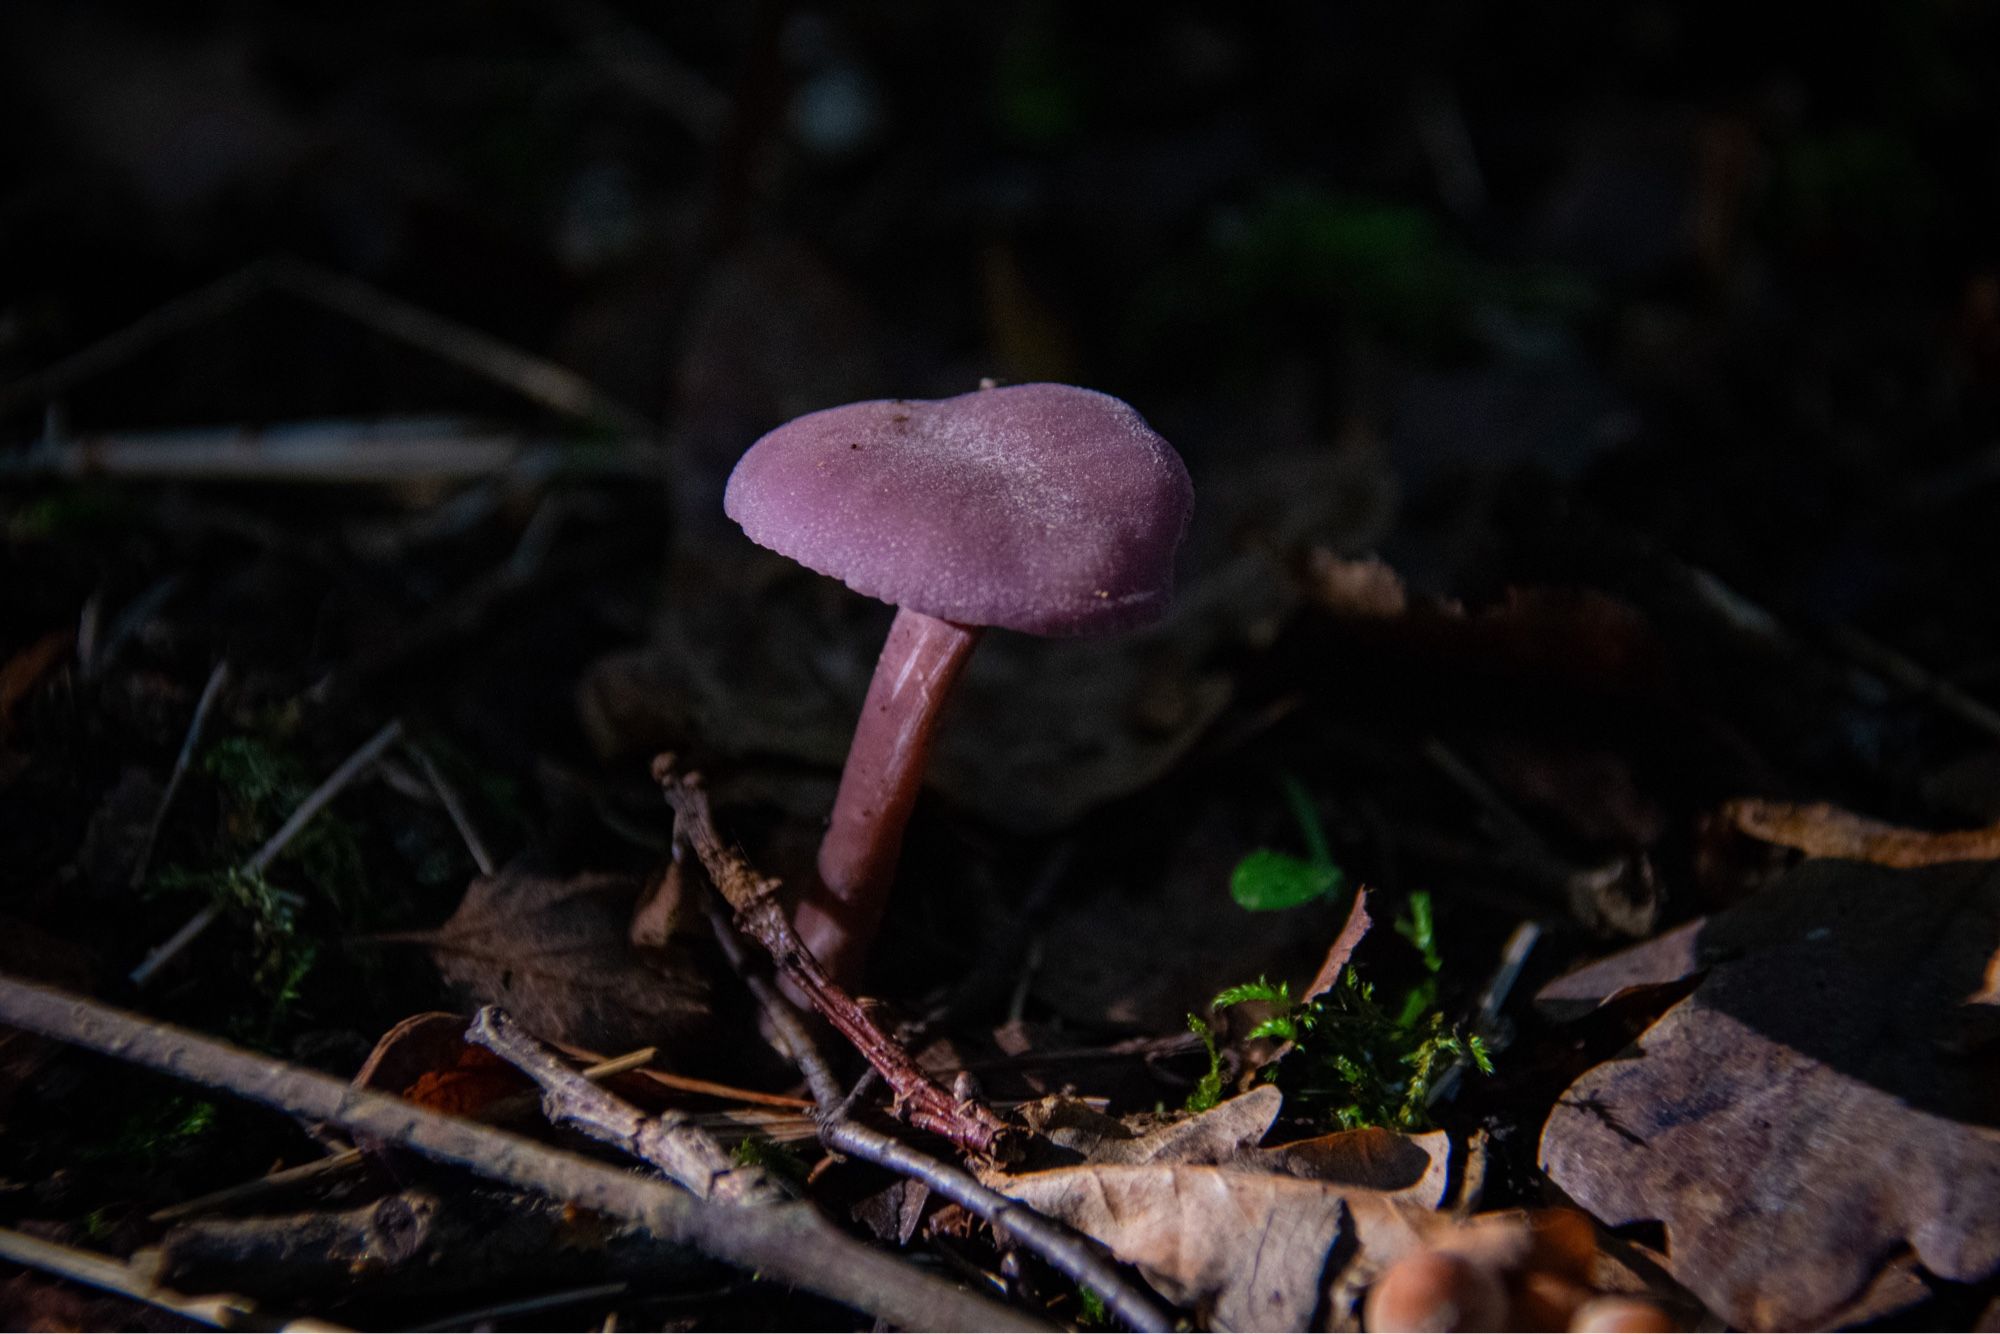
1039 507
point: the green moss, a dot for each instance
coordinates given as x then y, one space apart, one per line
1354 1060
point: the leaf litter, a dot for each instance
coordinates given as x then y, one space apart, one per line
1822 1099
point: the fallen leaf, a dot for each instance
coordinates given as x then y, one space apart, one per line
1416 1168
1821 1100
1820 830
1352 932
412 1048
427 1060
1670 957
1247 1250
1219 1135
556 952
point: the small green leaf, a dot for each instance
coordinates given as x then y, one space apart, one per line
1277 1026
1266 881
1260 990
1420 929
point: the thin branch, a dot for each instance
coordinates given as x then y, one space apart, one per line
1064 1249
1913 676
1069 1253
334 1164
670 1141
789 1242
920 1100
336 782
260 861
534 378
257 1188
104 1272
798 1046
486 1316
189 744
156 326
454 806
365 452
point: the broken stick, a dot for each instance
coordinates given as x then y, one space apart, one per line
920 1100
789 1242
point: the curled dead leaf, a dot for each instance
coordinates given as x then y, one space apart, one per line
1821 830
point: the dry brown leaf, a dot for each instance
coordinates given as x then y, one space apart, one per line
1352 932
1081 1134
1416 1168
556 952
1670 957
1820 830
1824 1097
1248 1250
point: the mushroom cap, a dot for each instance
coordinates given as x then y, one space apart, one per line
1037 507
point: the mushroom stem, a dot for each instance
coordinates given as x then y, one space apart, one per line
920 660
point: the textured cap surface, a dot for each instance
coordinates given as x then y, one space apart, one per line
1038 507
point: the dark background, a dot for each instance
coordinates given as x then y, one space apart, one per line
1731 268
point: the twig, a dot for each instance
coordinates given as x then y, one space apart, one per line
485 1316
1913 676
336 782
708 1088
336 1163
256 1189
1070 1254
1064 1249
798 1045
156 326
260 861
327 453
669 1141
219 1310
919 1098
189 744
534 378
454 806
787 1242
